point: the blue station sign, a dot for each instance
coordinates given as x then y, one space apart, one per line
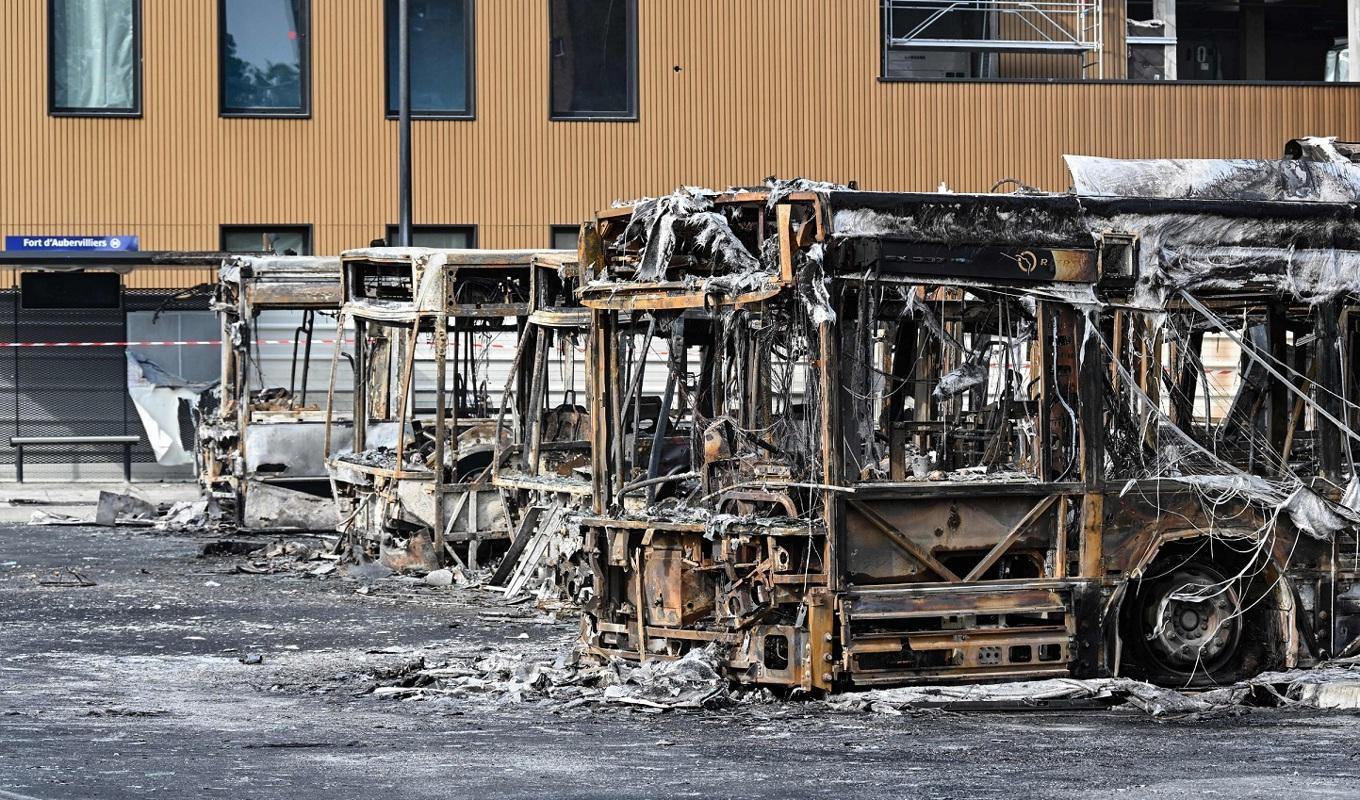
71 244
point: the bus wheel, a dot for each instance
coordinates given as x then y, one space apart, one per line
1183 624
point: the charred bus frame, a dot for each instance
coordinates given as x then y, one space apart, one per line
415 490
927 437
259 453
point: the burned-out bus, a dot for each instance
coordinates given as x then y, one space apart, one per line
259 453
935 437
433 332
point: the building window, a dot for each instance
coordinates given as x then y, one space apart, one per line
565 237
441 58
1290 41
593 59
937 40
263 59
441 237
94 59
282 240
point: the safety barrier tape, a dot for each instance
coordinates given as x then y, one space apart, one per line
214 342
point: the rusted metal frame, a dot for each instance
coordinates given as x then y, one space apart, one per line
675 366
949 359
632 412
690 634
403 398
1327 357
830 430
858 336
1091 445
951 640
783 214
601 355
927 368
992 597
1296 418
763 372
1117 344
1278 408
902 369
231 381
533 404
821 622
240 379
639 598
362 382
441 336
1010 538
1060 543
516 420
903 542
952 674
298 333
1063 386
666 297
1149 373
1043 362
378 373
330 395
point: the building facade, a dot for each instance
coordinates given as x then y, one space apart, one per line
213 119
200 125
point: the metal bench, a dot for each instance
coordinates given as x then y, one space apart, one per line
19 442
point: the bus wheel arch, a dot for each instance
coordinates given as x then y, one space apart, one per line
1202 609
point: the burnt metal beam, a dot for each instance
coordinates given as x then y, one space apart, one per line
900 539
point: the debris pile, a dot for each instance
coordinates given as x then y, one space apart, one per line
690 682
119 509
694 681
1334 685
279 556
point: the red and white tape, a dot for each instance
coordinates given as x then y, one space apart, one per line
197 342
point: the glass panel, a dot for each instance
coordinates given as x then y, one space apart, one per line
564 237
262 65
279 241
193 362
458 237
448 239
439 57
93 55
592 58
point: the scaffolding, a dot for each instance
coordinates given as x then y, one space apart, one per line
993 27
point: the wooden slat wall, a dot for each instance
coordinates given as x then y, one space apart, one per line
787 87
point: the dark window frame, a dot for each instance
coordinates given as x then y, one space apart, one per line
553 230
390 232
634 102
470 70
304 228
304 110
134 111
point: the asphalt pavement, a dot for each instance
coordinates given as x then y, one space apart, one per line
133 666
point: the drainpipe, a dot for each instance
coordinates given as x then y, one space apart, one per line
404 124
